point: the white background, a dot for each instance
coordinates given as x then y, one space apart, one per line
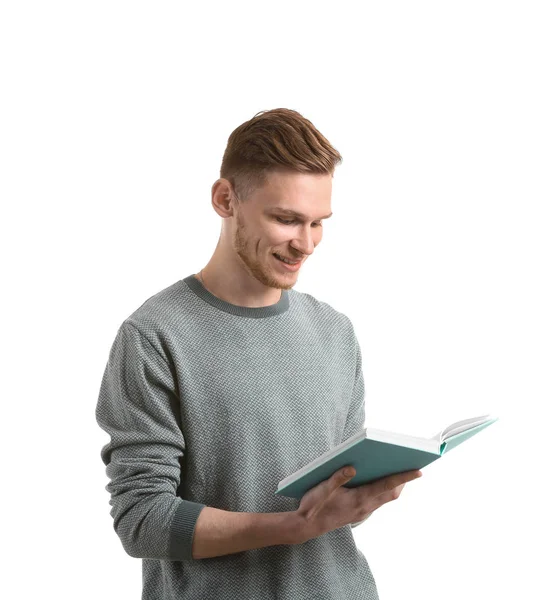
114 120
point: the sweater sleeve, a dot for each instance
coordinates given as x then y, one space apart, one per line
355 420
139 408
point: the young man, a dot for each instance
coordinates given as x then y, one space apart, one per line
227 381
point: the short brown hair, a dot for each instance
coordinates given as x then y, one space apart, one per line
275 140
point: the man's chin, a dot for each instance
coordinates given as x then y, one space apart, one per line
286 284
278 282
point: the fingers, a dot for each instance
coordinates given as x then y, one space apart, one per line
391 485
388 484
383 498
376 494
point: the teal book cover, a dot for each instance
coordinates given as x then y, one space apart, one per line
375 453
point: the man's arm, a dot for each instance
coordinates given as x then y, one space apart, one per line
220 532
139 409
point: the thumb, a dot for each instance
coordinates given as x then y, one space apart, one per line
344 474
336 480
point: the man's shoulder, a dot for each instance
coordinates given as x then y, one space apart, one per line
322 310
158 310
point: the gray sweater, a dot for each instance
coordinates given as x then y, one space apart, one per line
212 404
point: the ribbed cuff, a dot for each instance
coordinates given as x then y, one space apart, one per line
183 528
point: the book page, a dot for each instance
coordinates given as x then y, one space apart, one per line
460 426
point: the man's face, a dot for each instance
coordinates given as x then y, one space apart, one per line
262 229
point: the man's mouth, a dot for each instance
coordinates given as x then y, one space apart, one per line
287 260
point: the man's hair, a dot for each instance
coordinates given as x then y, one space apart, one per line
278 140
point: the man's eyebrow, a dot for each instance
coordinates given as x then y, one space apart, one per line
294 213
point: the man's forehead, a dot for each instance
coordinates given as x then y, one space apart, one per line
306 190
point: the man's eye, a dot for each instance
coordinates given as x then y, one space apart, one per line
289 222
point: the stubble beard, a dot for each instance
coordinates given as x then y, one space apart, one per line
241 247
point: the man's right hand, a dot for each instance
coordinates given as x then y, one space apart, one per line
329 505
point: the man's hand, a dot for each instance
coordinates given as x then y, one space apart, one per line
329 505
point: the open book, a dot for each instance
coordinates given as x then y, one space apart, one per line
375 453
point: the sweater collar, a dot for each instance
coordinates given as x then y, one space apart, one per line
242 311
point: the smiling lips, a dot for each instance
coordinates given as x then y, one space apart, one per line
292 260
285 266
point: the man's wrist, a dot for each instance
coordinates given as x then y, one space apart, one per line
294 527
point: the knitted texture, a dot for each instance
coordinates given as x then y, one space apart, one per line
211 404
